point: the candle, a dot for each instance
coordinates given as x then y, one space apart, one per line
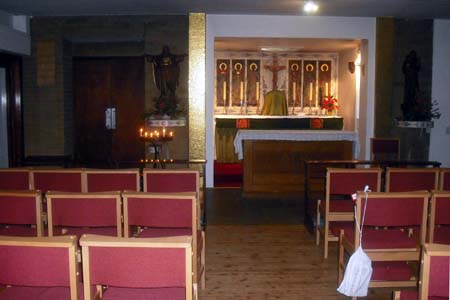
164 132
146 134
141 131
171 134
294 92
224 91
310 92
242 91
151 134
326 89
257 91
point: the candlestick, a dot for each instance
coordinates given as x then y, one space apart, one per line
310 93
257 90
326 89
242 91
294 92
164 132
224 92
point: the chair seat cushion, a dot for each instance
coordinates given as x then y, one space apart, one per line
414 295
18 230
79 231
341 206
151 232
35 293
114 293
391 271
383 239
335 227
442 235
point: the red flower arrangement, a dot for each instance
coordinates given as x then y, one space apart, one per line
330 103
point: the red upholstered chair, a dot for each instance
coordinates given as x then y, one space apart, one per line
384 149
411 179
337 209
63 180
21 213
434 275
101 180
15 179
163 215
38 268
394 230
444 179
138 269
439 225
82 213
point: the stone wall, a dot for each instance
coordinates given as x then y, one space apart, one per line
48 109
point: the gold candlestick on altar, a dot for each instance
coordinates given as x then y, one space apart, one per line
257 97
294 95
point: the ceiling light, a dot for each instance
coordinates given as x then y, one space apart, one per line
281 49
310 7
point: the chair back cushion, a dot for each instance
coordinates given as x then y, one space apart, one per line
137 267
87 211
412 181
110 181
34 266
439 276
19 209
58 181
161 211
442 211
344 183
14 179
163 182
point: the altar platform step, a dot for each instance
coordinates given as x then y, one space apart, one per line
227 175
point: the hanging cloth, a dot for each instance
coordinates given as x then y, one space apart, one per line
359 267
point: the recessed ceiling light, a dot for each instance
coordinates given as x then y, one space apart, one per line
310 7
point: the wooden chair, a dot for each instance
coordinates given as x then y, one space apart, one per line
21 213
174 181
337 208
394 230
128 268
54 179
165 215
15 179
439 223
39 268
106 180
434 275
384 149
82 213
411 179
444 179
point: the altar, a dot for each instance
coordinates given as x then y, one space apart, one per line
274 160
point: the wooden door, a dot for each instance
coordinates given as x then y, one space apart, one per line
101 84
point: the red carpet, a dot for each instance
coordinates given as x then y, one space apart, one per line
227 174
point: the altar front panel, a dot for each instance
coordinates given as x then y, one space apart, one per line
277 166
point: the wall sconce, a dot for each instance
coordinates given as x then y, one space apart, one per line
352 66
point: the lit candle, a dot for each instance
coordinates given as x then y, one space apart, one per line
164 132
146 134
310 92
224 95
141 131
326 89
257 91
294 92
171 134
151 134
242 91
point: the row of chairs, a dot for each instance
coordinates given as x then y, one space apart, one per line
336 208
396 226
99 180
127 214
116 268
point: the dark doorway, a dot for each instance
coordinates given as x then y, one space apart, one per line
109 102
11 127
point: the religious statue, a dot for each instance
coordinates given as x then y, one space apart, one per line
275 102
166 70
410 69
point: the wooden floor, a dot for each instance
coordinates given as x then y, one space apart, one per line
265 262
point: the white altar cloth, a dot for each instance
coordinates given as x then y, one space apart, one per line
294 135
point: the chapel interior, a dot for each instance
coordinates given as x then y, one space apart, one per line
265 143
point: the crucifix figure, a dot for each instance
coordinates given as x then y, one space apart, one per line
274 68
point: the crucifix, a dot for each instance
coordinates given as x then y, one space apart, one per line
274 68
